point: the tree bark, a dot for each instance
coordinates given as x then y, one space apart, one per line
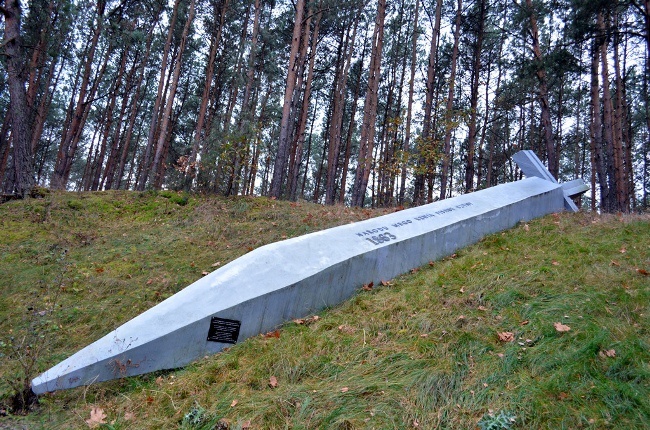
426 140
72 133
476 73
192 165
547 132
133 113
153 128
596 128
608 126
446 156
302 122
406 147
282 155
157 167
336 122
23 162
366 142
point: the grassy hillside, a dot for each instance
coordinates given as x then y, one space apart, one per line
543 326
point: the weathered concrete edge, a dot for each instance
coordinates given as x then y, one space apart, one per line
343 279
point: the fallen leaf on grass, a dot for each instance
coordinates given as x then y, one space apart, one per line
128 416
524 322
643 272
273 382
615 263
97 417
386 284
345 389
217 264
506 336
561 328
234 403
368 287
246 425
611 353
306 321
275 334
346 329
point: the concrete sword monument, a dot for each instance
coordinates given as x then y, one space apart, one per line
297 277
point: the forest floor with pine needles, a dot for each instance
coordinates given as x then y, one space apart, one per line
543 326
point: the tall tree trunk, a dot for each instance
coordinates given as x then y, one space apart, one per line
215 41
350 132
336 122
114 90
133 113
620 127
282 155
40 114
241 145
155 114
157 168
72 133
608 127
596 128
540 72
116 146
406 148
426 141
294 171
5 144
23 162
446 156
476 73
366 142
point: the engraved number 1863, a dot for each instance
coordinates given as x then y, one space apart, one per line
381 238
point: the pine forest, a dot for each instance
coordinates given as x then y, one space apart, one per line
363 103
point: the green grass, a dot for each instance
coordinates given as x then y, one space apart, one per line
422 352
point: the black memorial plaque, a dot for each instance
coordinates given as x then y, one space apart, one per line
224 330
